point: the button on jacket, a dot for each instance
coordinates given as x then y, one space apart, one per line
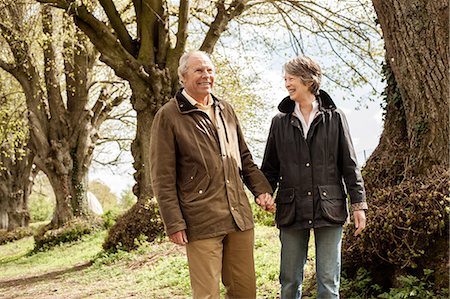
199 189
313 173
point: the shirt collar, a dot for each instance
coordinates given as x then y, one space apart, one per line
315 109
194 102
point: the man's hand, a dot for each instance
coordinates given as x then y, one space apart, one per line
179 237
265 201
360 221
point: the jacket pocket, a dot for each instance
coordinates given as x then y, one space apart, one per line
333 203
285 214
194 181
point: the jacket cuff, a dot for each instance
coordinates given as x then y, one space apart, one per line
175 228
359 206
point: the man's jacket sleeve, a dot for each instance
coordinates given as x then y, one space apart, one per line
253 177
164 174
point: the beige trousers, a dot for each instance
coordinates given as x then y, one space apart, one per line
229 256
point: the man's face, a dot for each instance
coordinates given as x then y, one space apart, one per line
199 78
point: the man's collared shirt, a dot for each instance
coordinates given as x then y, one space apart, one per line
205 108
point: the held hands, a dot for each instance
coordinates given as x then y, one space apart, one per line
360 221
179 238
266 202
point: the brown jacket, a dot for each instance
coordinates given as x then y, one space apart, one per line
198 189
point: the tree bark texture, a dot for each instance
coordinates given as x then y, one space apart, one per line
416 41
16 181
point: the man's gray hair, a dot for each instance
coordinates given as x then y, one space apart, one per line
307 70
183 64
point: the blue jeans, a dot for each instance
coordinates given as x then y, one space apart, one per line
294 251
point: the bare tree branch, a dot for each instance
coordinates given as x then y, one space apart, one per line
219 25
8 67
181 36
57 110
118 26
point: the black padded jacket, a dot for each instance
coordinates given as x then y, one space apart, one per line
313 174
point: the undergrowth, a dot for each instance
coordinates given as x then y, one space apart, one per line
408 286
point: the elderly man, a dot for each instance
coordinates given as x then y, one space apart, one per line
199 164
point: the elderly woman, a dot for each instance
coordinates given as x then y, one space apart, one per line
310 158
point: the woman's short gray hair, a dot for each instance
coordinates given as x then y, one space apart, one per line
307 70
183 63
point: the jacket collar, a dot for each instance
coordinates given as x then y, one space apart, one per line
325 103
184 106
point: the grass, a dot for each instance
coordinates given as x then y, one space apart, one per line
82 270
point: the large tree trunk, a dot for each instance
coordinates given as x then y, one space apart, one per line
16 181
416 41
143 217
57 170
139 148
407 175
146 106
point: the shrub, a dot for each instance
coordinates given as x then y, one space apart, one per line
40 208
360 287
110 217
47 238
17 234
408 286
139 222
407 230
414 287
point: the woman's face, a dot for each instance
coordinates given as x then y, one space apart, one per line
296 88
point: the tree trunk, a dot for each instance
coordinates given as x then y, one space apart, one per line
68 179
416 41
147 97
139 149
16 182
78 186
387 164
57 170
406 177
129 227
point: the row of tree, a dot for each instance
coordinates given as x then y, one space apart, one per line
54 63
